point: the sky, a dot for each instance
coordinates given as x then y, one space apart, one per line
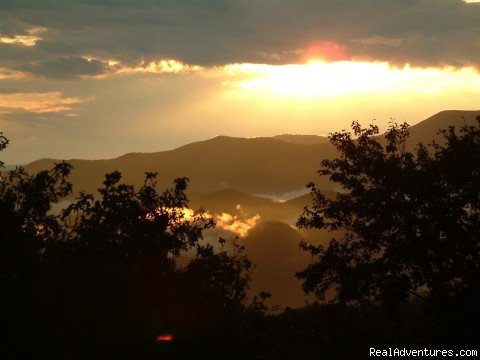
100 78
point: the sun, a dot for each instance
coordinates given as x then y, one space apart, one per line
317 78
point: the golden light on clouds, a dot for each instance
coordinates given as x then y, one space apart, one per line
24 40
179 214
238 224
51 102
157 67
322 79
6 73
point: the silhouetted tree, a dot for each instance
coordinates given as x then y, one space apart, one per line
26 226
411 220
126 246
3 145
108 275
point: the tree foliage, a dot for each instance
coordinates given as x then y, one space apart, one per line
118 269
411 220
3 145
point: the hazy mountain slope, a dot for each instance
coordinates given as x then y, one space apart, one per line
273 247
251 165
427 130
303 139
258 165
227 200
10 167
243 204
225 171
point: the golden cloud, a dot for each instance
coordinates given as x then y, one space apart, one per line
238 225
51 102
24 40
6 73
163 66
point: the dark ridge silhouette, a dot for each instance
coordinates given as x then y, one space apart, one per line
303 139
306 199
427 130
273 248
257 165
227 199
251 165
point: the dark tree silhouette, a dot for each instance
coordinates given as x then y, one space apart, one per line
411 220
125 248
3 145
105 277
26 227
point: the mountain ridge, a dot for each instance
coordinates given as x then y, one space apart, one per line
252 165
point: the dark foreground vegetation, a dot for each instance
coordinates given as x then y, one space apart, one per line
127 276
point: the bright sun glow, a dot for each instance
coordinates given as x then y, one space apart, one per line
322 79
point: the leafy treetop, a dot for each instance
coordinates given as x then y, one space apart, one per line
410 220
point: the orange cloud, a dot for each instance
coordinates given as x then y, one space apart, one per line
239 226
6 73
51 102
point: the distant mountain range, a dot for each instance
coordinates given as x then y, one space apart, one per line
275 165
227 176
259 165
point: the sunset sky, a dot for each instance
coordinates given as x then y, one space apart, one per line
100 78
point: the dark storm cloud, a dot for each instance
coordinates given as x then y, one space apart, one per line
215 32
11 27
66 68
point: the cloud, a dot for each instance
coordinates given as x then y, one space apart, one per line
30 39
167 66
6 73
72 68
379 40
213 32
66 68
51 102
238 224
